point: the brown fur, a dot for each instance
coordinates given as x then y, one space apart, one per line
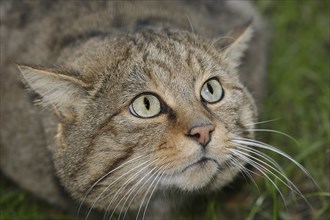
100 56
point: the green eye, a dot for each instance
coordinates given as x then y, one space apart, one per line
145 106
212 91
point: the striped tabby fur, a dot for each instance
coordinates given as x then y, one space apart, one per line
86 62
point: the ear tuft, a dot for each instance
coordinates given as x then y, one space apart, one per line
237 42
56 89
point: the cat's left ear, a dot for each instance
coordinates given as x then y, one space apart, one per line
57 87
236 43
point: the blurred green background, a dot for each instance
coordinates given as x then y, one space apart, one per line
298 96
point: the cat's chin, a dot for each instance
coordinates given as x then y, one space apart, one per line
194 176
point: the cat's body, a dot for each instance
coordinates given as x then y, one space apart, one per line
103 55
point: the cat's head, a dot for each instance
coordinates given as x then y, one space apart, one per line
151 108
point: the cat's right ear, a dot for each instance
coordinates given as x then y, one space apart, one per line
64 92
236 42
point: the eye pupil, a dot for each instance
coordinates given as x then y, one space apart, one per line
146 103
212 91
210 88
145 106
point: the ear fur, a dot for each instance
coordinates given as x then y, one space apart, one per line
237 43
63 92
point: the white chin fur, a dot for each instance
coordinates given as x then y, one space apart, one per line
193 178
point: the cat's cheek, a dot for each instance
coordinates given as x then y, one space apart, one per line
218 146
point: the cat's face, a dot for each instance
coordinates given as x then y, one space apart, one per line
152 109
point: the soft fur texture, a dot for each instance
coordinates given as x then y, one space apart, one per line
86 62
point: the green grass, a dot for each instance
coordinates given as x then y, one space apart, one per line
298 96
16 204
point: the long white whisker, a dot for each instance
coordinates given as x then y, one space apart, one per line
262 145
247 160
277 132
262 122
130 191
289 184
102 178
261 155
152 192
146 193
246 172
210 46
126 183
116 180
191 25
141 187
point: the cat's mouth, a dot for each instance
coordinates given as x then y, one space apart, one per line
201 163
197 174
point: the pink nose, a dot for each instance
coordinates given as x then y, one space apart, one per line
202 134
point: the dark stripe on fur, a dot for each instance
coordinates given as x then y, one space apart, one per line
91 144
163 66
242 129
119 161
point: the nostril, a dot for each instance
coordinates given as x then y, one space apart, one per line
197 136
202 134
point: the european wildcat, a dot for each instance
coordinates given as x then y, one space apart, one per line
141 96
